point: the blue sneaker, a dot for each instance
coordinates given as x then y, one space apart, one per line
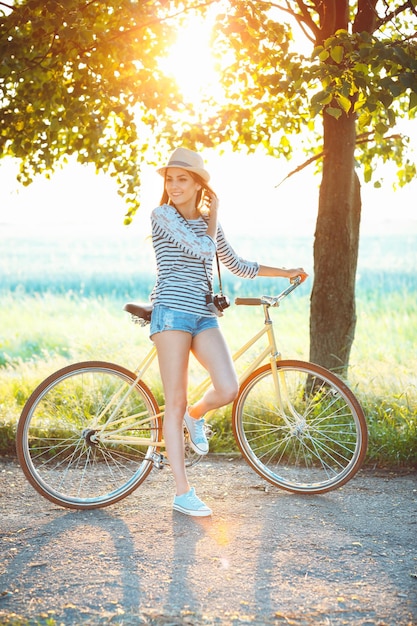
190 504
198 439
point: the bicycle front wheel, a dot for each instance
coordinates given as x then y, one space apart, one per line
300 427
87 434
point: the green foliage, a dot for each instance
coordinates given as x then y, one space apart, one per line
376 80
392 427
273 91
75 78
85 79
15 620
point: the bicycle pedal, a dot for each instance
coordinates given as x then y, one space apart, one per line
209 431
158 460
191 456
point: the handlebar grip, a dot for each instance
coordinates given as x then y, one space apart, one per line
248 301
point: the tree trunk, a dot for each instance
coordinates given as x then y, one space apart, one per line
333 312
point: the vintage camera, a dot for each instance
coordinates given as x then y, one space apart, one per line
217 303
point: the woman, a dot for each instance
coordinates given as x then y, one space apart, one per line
186 235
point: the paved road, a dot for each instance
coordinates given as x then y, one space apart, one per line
265 557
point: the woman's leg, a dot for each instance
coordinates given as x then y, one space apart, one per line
173 348
211 350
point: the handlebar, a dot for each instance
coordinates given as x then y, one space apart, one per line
270 300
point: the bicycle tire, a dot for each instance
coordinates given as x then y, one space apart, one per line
316 443
68 450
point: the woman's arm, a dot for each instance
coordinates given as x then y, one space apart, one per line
236 264
251 269
266 270
167 222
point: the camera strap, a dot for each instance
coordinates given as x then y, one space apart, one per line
210 284
218 272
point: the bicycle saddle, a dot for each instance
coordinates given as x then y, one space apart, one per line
144 311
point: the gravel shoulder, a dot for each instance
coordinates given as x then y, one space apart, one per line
265 557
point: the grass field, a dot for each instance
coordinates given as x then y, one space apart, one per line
62 301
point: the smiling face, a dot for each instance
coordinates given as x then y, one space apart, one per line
181 188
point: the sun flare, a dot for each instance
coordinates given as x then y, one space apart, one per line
191 62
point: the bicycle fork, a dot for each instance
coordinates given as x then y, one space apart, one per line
284 404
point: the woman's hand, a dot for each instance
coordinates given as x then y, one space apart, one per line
298 272
211 202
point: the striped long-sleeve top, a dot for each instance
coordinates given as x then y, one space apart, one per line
184 261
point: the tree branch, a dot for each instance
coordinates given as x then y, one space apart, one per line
390 16
363 138
303 19
316 157
306 19
366 137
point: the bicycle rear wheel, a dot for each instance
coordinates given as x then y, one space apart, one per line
305 434
87 434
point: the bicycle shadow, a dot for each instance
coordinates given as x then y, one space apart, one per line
50 564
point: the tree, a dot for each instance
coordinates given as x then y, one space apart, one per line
361 76
80 77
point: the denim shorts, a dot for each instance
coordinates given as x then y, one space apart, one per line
164 318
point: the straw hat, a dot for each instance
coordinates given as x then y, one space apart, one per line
186 160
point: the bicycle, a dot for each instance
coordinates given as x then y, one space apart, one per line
90 433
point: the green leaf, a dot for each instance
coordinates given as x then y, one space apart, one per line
381 128
392 118
103 72
337 53
409 81
360 68
344 103
323 98
360 102
412 104
334 112
317 51
386 98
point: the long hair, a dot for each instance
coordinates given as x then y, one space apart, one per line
200 194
